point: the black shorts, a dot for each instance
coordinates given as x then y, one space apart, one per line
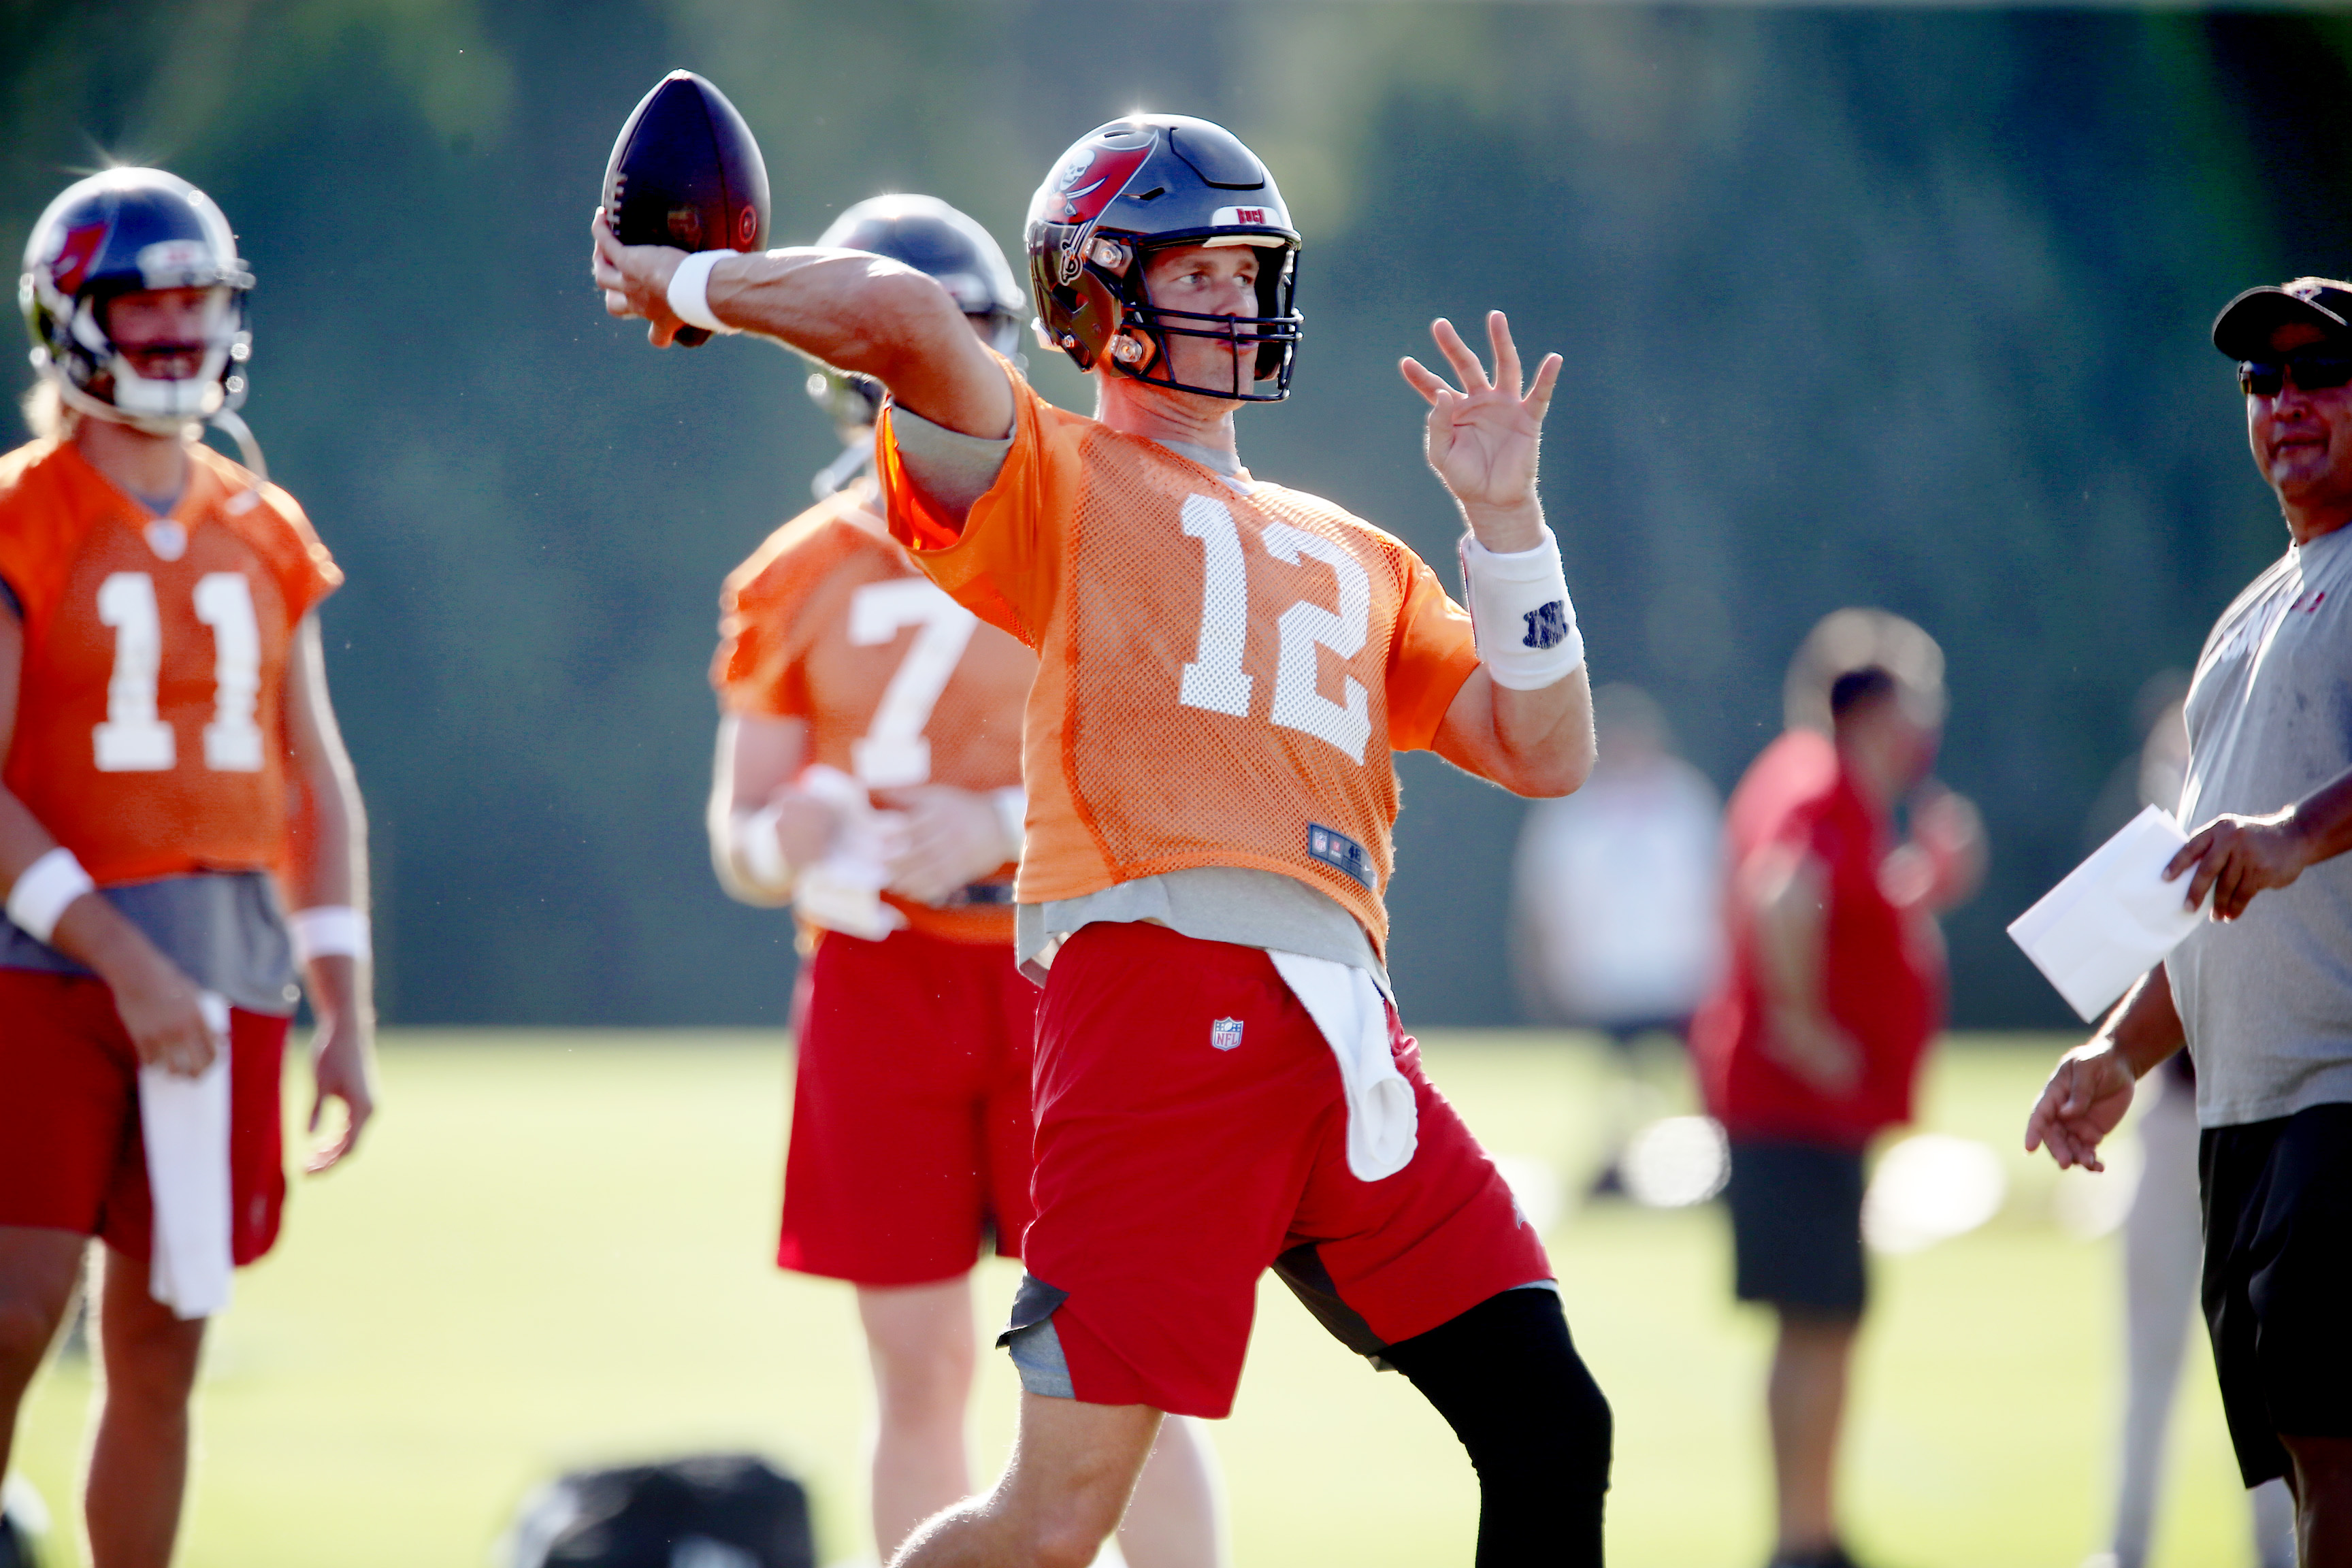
2278 1280
1796 1226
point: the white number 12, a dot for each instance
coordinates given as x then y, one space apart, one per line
1215 679
133 738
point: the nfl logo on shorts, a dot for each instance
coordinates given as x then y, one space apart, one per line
1225 1033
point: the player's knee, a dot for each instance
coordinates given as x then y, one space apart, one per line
1071 1538
1565 1441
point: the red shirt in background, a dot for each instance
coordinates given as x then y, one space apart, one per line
1884 984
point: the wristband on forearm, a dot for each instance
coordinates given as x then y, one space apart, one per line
1520 615
758 852
330 931
42 891
688 290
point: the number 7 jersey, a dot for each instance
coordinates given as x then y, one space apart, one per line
1223 666
829 623
149 736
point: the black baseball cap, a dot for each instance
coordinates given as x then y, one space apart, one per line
2242 330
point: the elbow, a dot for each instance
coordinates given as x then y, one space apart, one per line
903 317
1553 771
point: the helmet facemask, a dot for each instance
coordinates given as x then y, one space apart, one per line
1266 341
112 387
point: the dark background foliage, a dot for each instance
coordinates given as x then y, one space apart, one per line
1892 307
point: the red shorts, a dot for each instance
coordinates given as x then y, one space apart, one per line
910 1109
1171 1173
71 1157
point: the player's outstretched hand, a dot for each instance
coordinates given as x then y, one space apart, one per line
636 281
2081 1104
953 837
2237 857
1482 438
345 1070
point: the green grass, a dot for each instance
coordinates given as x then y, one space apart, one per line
553 1251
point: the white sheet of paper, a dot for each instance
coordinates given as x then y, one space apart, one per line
184 1123
2112 918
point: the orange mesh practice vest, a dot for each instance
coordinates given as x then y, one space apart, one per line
150 735
1223 666
829 623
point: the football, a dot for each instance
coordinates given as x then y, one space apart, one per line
686 172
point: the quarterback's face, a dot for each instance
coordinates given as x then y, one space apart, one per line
2302 440
164 332
1206 280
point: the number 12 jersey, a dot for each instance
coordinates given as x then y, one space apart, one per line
1225 665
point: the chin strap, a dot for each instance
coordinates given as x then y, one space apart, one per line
232 424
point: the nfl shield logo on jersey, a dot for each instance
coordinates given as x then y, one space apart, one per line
1225 1033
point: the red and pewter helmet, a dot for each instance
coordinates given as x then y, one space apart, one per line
1141 184
117 232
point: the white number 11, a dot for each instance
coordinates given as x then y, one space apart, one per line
133 738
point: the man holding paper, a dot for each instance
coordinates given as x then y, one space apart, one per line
2261 991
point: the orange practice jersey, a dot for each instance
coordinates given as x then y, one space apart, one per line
1223 667
829 623
150 735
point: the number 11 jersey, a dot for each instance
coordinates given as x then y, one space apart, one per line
150 735
1223 666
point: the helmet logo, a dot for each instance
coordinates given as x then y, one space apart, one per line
73 259
1089 181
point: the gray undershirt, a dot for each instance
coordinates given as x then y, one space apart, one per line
1242 905
223 929
2266 999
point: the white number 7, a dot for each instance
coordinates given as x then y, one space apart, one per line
1215 679
894 750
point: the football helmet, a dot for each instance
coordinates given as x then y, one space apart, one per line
112 234
933 238
1141 184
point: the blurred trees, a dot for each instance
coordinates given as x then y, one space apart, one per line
1898 307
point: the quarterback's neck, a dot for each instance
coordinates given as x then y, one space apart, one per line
1157 414
133 460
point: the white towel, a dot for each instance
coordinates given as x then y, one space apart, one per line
2112 918
185 1124
843 891
1346 1003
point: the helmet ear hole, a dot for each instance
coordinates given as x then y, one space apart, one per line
1090 317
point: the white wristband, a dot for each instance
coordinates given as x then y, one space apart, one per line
1520 614
687 286
44 888
330 931
1012 804
759 853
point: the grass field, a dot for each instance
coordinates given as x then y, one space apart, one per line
553 1251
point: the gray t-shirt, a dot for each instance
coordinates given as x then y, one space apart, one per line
1241 905
2267 998
223 929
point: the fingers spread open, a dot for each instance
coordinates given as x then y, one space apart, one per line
1466 368
1539 399
1507 352
1422 379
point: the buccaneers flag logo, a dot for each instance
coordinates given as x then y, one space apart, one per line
74 253
1094 176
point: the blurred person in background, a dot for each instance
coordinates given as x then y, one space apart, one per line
868 770
171 760
1615 890
1834 990
2163 1235
2261 991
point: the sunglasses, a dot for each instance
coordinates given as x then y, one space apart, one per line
2263 378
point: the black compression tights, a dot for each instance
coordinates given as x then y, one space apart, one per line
1508 1381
